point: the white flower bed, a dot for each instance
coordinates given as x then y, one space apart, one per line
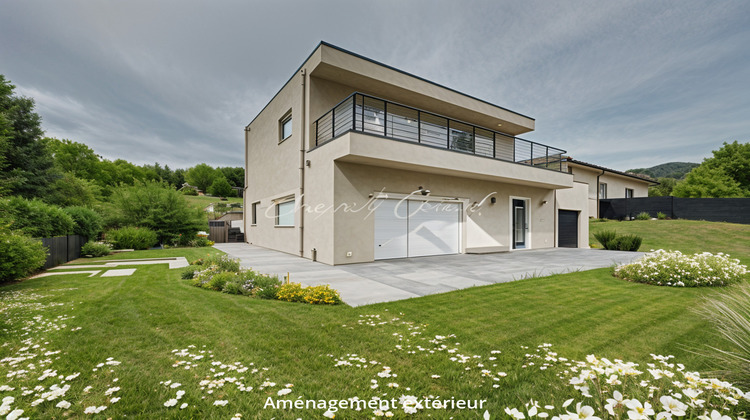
673 268
622 390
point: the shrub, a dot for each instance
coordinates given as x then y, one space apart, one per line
291 292
610 240
220 187
323 294
188 274
86 222
36 218
661 216
201 242
672 268
218 280
132 237
223 262
643 216
599 220
606 238
19 255
265 287
95 249
235 286
628 242
729 313
156 206
189 191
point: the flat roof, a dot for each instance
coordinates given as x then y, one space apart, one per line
324 43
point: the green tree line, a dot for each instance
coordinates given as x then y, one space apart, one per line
726 174
55 187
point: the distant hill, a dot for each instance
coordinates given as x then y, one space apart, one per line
676 170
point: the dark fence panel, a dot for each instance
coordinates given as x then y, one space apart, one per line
62 249
733 210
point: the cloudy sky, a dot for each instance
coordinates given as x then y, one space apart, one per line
619 83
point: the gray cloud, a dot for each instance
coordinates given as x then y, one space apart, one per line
622 84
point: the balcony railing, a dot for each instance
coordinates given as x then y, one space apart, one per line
367 114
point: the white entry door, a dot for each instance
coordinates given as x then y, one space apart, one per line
416 228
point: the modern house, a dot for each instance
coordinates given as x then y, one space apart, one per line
607 183
354 161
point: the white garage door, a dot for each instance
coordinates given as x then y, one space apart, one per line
416 228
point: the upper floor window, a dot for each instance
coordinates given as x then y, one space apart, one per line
628 193
602 190
285 127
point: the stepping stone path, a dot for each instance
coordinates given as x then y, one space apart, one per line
119 273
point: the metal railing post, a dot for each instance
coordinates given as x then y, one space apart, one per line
448 136
531 153
419 126
385 118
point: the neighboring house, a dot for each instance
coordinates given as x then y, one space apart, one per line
354 161
186 185
606 183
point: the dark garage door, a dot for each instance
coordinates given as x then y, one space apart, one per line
567 229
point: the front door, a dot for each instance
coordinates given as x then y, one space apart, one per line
519 224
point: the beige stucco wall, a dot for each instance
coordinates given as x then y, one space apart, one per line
489 225
272 169
616 185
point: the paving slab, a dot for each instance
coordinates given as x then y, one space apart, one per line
390 280
91 273
119 273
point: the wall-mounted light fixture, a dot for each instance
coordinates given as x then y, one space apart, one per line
493 200
544 202
307 163
422 191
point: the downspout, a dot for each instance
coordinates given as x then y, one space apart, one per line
244 189
598 193
554 217
303 120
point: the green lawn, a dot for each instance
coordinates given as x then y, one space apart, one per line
688 236
140 320
203 201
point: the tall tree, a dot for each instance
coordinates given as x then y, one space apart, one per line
705 181
725 174
201 176
220 187
235 175
28 161
75 158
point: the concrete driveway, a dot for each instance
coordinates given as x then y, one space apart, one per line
389 280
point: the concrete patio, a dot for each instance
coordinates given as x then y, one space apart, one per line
389 280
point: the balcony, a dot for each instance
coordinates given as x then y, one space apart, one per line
370 115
